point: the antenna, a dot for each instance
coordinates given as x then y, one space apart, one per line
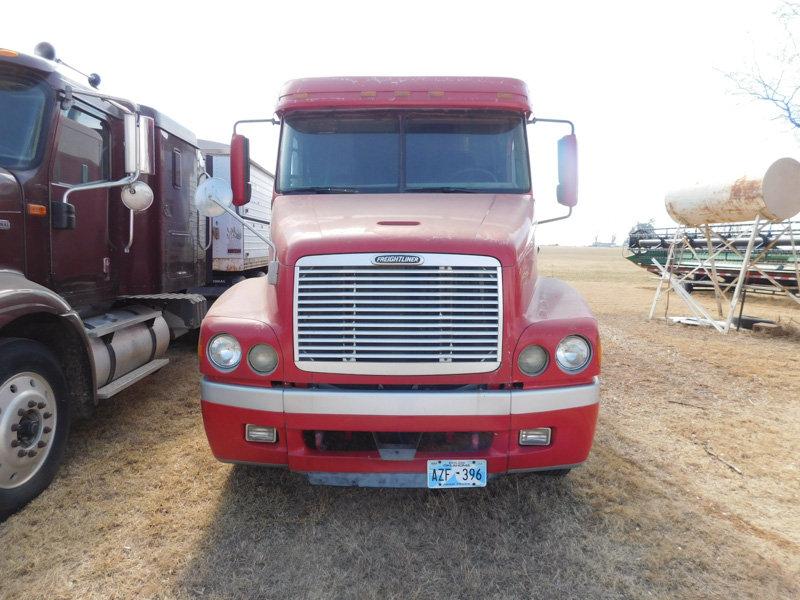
48 52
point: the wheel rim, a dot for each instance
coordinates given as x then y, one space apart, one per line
28 416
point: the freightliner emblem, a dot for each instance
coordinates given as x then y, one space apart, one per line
397 259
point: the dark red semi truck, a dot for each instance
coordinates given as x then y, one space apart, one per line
99 243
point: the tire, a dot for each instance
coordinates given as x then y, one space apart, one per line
554 472
34 420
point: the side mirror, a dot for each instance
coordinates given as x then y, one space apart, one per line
567 191
212 197
147 130
240 169
139 143
131 141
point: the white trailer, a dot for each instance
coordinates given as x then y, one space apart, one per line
236 251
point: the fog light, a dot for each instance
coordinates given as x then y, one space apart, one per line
534 437
257 433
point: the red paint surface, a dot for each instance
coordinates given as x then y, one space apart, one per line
573 431
482 224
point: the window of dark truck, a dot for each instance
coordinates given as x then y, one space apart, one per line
83 148
342 152
23 114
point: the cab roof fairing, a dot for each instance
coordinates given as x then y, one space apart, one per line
319 93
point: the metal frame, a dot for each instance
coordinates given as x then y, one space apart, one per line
272 120
533 121
715 246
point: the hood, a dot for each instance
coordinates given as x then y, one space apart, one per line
497 225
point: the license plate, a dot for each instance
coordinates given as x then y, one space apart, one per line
456 473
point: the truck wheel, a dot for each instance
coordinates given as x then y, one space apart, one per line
34 421
554 472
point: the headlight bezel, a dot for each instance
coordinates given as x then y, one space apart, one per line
274 354
210 353
589 355
544 366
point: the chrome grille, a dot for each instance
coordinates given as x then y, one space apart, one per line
441 316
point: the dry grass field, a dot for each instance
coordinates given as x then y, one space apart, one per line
692 489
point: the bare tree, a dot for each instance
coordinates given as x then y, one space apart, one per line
781 89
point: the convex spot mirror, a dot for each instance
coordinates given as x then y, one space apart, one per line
213 196
567 191
137 196
139 143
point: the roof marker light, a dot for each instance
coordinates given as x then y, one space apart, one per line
436 93
9 53
368 94
402 94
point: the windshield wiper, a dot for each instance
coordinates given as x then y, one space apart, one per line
322 189
444 189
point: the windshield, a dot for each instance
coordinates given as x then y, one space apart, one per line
479 152
22 113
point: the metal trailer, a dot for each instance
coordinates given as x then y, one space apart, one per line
236 251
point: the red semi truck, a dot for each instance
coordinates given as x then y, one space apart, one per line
403 336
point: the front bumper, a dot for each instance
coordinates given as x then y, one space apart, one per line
571 413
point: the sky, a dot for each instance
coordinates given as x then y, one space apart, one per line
644 82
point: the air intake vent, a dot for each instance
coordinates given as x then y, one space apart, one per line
369 314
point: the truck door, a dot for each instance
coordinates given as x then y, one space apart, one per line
80 257
12 249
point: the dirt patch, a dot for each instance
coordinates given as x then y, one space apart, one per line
141 509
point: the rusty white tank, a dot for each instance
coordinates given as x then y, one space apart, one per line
775 197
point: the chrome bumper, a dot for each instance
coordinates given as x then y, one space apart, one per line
394 403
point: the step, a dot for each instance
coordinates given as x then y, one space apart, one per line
128 380
101 325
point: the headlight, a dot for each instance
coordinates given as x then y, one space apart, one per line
532 360
224 351
573 353
262 359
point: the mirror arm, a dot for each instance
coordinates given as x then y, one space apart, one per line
561 218
127 180
273 120
209 222
534 120
209 230
272 271
130 234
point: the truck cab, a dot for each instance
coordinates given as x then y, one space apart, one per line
404 336
99 243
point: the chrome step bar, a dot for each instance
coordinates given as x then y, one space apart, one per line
128 380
